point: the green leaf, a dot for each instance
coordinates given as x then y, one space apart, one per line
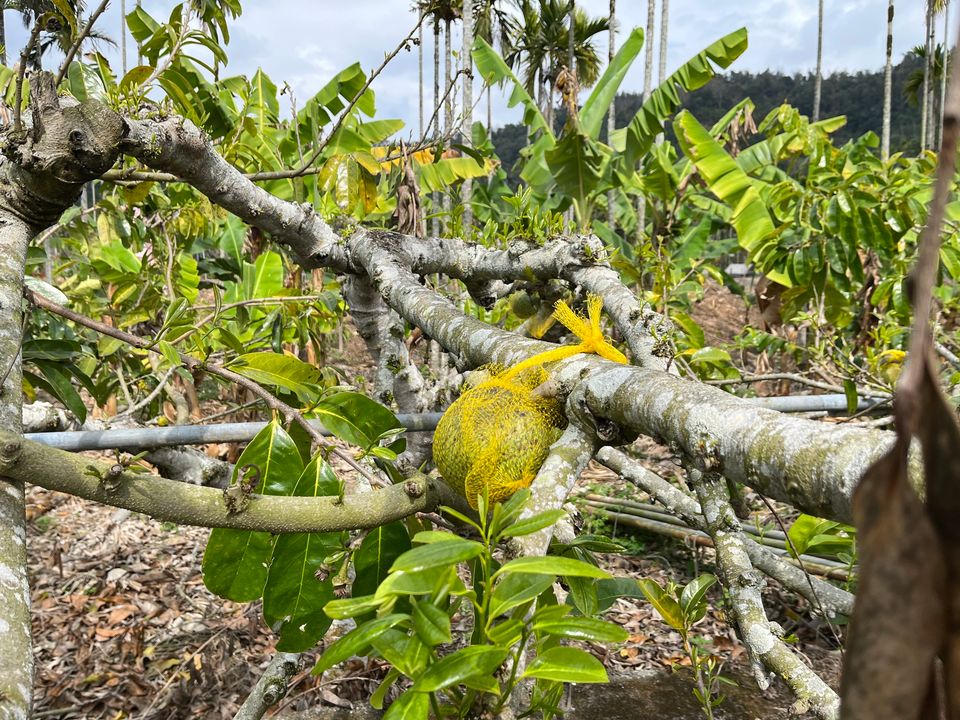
355 418
293 596
283 371
516 589
732 186
432 624
552 565
668 608
583 595
583 628
235 563
666 99
533 524
409 706
595 109
351 607
425 582
356 641
694 593
567 664
453 669
378 551
494 69
405 652
425 557
61 387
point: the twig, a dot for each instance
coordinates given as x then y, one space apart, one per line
793 377
228 411
270 688
21 71
289 413
161 383
349 108
796 556
71 53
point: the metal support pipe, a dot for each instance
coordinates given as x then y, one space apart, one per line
142 438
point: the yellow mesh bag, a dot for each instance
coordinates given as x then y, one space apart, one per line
497 434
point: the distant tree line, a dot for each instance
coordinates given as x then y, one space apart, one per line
858 96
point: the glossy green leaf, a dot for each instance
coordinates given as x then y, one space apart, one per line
693 597
355 418
405 652
452 669
409 706
378 551
668 608
432 624
425 557
552 565
583 628
357 641
533 524
516 589
567 664
282 371
235 563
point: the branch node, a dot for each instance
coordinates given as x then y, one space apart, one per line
10 453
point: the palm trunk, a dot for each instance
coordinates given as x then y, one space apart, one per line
489 111
664 22
647 89
946 66
571 39
467 128
818 77
434 198
925 92
420 72
887 86
3 39
931 89
123 35
448 105
611 114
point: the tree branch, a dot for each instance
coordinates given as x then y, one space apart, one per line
271 686
27 461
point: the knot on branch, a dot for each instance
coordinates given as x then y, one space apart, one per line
66 144
10 450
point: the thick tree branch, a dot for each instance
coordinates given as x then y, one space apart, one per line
762 638
27 461
821 594
271 686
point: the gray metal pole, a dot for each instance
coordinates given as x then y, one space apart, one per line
137 438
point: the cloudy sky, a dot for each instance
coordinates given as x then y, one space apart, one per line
304 43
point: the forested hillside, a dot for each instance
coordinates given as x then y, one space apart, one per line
858 96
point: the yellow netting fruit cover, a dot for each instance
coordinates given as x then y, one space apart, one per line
497 434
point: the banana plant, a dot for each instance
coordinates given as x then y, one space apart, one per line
576 164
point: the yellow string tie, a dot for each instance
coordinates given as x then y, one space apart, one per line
586 328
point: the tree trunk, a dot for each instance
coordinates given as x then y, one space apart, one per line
435 221
448 105
423 130
946 66
466 190
818 77
571 40
887 86
611 115
16 659
664 22
123 35
647 89
931 88
489 110
925 92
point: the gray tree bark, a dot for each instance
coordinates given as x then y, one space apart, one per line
818 76
887 86
466 190
611 115
42 175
